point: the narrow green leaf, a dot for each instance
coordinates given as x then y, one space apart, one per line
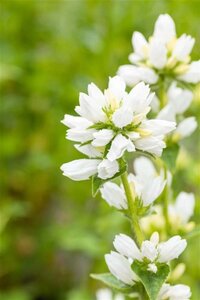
98 182
170 155
113 282
152 281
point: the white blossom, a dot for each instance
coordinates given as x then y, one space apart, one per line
186 127
115 121
146 182
151 253
83 169
183 208
163 53
174 292
120 267
106 294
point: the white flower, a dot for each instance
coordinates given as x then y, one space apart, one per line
151 253
178 102
186 127
148 185
120 267
162 54
83 169
174 292
192 74
106 294
114 195
183 208
115 121
171 249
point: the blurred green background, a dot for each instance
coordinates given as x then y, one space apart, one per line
53 233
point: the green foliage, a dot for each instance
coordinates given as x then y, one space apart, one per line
151 281
170 155
113 282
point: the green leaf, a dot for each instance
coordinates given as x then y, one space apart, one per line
170 155
113 282
98 182
151 281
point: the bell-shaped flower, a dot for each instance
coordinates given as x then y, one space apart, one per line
151 253
174 292
182 210
113 122
146 183
83 169
106 294
163 54
120 267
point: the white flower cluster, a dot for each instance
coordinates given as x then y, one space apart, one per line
111 123
152 253
163 55
174 292
146 183
179 101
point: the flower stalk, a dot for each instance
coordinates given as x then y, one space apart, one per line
132 209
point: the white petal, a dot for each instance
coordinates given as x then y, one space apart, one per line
95 93
134 58
76 122
80 169
114 195
144 168
80 135
167 113
152 190
137 100
158 127
171 249
186 127
107 169
151 144
119 145
133 75
179 99
184 206
90 109
139 44
149 250
117 87
122 117
102 137
164 28
88 150
119 266
183 47
157 54
154 238
104 294
179 292
193 74
127 247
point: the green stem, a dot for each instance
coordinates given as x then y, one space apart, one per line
166 202
130 195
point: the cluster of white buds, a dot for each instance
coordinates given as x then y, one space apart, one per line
163 56
151 253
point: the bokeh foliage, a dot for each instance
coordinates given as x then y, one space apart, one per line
53 234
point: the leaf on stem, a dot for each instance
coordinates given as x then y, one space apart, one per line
152 281
113 282
170 155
